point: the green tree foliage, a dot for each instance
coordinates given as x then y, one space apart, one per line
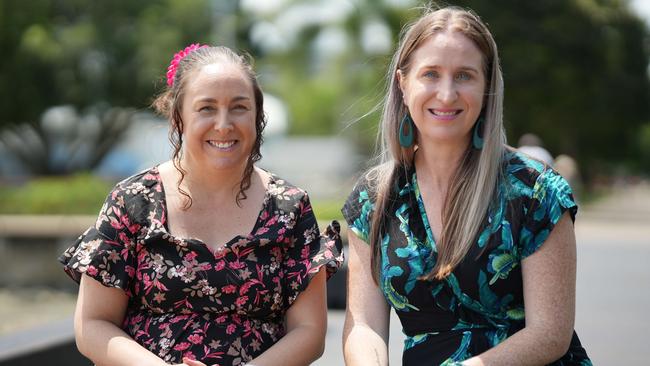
575 70
576 74
82 52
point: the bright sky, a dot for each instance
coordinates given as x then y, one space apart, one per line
643 8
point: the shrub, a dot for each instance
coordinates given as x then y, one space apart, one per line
74 194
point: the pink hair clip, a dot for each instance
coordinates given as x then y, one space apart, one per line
173 65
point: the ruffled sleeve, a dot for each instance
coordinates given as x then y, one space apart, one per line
310 251
106 251
357 210
551 198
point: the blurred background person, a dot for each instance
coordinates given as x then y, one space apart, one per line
531 145
568 168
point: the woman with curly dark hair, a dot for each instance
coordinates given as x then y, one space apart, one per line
205 259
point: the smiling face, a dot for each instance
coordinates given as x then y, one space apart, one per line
218 113
444 88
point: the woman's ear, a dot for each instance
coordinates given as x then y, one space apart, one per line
401 83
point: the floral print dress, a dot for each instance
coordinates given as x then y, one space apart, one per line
481 303
222 307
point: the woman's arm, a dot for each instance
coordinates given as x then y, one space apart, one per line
365 334
549 279
306 327
97 325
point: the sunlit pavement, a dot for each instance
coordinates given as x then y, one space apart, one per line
613 294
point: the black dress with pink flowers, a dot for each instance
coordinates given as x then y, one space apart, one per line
224 307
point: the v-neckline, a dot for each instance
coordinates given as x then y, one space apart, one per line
228 243
423 213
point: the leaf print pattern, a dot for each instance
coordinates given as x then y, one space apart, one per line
481 303
224 307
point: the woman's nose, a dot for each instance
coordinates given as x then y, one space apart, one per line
447 92
222 121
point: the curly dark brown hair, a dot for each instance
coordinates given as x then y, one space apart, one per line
169 105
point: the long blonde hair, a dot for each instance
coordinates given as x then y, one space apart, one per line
473 186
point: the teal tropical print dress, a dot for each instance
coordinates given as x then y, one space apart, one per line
481 303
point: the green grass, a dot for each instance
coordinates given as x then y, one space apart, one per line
327 210
77 194
84 194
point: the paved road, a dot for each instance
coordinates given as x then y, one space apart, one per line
613 295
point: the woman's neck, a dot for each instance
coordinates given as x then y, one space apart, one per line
437 164
212 185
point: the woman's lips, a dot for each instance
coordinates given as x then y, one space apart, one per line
445 114
222 145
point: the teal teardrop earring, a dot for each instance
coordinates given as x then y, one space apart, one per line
406 134
477 139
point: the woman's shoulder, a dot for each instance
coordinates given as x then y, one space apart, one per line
142 188
283 191
530 174
145 179
522 166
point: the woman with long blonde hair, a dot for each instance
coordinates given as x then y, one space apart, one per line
455 230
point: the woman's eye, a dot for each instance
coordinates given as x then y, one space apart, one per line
240 107
463 76
206 108
431 74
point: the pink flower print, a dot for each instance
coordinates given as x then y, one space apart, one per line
129 271
190 256
91 270
159 297
182 346
271 221
178 318
231 329
221 319
134 228
115 223
229 289
205 266
220 265
245 287
236 265
150 176
291 262
262 230
276 252
113 256
241 300
127 223
195 338
124 239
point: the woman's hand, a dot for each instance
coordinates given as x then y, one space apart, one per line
365 333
